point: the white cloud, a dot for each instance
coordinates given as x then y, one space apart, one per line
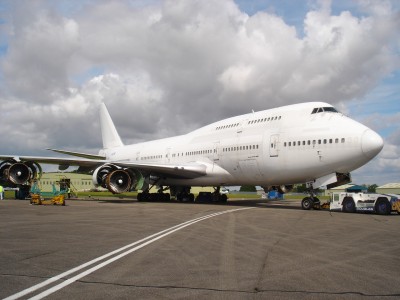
40 48
171 66
390 152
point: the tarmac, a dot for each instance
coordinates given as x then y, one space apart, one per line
246 249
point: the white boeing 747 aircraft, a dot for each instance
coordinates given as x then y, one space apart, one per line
303 143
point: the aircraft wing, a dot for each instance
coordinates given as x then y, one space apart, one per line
78 154
187 170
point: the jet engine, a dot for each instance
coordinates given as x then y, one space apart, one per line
282 189
116 179
19 173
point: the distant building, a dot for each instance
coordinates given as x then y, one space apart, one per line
78 182
389 188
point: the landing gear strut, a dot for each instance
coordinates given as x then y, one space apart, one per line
311 201
160 196
218 196
182 193
154 197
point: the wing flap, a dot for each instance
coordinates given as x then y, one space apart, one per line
191 170
78 154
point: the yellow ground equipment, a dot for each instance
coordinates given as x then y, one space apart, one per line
57 200
47 198
396 206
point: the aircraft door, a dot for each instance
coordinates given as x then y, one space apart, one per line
167 155
216 152
274 145
138 156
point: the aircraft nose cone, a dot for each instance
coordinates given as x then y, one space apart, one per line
371 143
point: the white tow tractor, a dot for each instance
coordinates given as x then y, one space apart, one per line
380 204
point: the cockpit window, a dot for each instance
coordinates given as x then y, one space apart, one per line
330 109
324 109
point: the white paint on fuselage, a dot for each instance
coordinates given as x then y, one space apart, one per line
284 145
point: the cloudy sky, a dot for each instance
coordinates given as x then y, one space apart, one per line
167 67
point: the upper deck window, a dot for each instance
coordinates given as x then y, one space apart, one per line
324 109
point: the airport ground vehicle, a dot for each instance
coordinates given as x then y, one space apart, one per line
50 198
350 202
56 200
367 202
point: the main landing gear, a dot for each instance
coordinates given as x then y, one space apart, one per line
214 197
160 196
181 194
218 196
311 201
153 197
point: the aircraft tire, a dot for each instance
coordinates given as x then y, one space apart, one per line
141 197
166 197
317 204
191 197
223 198
307 203
349 205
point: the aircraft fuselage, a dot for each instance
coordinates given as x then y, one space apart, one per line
287 145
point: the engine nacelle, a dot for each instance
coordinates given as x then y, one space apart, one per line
116 179
282 189
19 173
100 175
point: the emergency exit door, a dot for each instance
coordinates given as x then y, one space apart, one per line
274 145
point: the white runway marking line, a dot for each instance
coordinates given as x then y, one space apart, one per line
150 239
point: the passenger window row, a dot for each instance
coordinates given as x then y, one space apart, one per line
264 120
203 152
189 153
314 142
199 152
151 157
250 122
227 126
240 148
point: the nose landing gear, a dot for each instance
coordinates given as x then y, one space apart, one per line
311 201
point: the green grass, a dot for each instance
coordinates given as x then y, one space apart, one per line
246 196
106 194
9 194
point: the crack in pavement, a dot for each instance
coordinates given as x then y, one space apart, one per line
263 268
36 256
240 291
253 291
23 275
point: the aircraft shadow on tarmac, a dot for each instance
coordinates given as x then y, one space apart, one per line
260 203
